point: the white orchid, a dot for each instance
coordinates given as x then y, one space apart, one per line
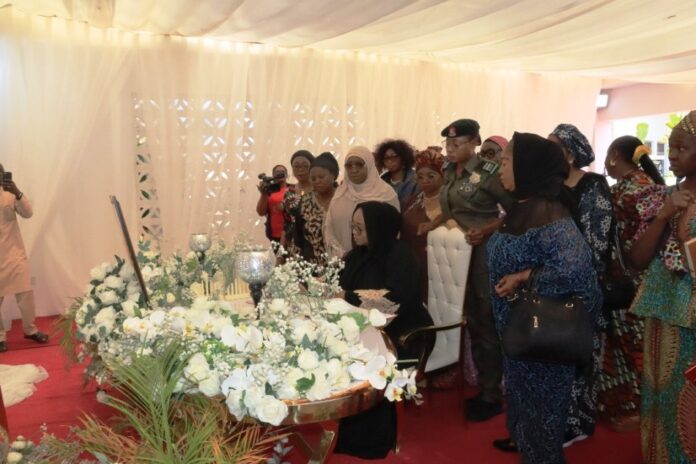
375 371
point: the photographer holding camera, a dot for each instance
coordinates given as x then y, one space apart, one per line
270 202
15 276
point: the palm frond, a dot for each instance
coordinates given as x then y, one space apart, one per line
65 328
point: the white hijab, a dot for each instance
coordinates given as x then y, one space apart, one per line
337 232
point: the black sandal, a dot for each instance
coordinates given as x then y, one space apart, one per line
506 445
38 337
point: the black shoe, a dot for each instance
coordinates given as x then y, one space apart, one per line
3 347
38 337
478 410
506 445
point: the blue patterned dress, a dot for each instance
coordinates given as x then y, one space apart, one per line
594 216
538 394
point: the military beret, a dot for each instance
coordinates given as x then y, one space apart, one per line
461 128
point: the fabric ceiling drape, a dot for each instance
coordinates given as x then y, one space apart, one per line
78 104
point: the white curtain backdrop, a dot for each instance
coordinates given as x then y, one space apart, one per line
78 104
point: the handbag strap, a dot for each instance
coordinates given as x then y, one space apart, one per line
619 250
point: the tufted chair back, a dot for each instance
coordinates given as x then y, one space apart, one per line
448 267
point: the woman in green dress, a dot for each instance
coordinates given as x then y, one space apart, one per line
666 299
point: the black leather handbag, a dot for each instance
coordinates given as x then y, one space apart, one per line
619 291
547 329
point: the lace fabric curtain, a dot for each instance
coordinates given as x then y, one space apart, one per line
191 123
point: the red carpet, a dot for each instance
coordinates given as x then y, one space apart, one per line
434 432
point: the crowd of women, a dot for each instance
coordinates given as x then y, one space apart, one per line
534 218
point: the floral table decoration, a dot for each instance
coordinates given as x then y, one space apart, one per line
305 347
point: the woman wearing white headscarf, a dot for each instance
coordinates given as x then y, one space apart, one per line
361 183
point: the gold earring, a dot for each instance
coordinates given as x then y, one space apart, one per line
612 163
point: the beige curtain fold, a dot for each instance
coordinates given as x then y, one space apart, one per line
77 104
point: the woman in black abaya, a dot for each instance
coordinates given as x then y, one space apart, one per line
379 261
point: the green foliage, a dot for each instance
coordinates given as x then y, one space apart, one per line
163 426
642 131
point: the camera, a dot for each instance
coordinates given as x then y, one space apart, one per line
271 184
6 178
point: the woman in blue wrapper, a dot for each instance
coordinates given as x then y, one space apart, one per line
538 234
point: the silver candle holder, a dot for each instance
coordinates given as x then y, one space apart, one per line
255 267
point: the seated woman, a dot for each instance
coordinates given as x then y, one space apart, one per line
309 238
538 234
361 183
379 261
422 211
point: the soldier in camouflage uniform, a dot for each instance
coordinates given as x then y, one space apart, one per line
471 199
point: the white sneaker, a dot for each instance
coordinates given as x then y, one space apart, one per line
575 440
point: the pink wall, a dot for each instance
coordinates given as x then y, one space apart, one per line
647 99
638 100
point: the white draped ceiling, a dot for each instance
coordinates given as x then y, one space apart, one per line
79 102
641 40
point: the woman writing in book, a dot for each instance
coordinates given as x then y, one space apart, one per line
628 161
666 301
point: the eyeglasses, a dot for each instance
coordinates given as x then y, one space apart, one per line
391 157
357 228
489 153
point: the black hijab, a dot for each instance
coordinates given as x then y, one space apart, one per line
382 226
539 169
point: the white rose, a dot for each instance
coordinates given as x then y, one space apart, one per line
18 444
337 306
134 297
253 398
128 308
147 273
197 368
108 297
133 287
287 392
14 457
210 386
302 328
308 360
127 272
271 410
279 305
350 328
255 338
98 273
231 336
239 379
336 347
234 404
106 318
320 390
157 317
377 318
293 375
171 298
114 282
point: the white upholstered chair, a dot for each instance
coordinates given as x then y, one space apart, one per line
448 267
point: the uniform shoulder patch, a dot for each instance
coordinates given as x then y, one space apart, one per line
490 167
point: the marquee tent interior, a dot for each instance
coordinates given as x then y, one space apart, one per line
177 106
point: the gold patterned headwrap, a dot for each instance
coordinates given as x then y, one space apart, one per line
688 124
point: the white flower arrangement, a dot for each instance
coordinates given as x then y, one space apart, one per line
305 347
